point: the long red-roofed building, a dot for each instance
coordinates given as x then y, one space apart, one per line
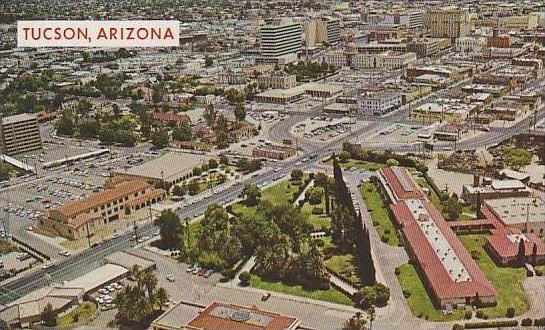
449 273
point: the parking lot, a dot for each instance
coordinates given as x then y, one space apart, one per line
323 128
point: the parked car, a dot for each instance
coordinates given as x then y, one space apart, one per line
196 270
266 296
209 273
170 278
202 272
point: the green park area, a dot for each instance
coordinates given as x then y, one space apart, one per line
79 314
506 280
379 213
418 299
330 295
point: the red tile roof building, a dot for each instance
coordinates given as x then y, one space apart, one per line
222 316
450 274
165 118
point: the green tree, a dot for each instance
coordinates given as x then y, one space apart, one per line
252 194
392 162
244 278
314 195
452 207
344 156
193 187
208 61
212 163
158 92
5 171
65 126
182 132
240 112
355 322
49 316
296 174
161 297
179 190
170 228
160 139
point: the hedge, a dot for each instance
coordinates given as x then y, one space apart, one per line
491 324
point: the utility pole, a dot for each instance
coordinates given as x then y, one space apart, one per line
88 234
135 228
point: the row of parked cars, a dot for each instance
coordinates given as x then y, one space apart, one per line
200 271
105 299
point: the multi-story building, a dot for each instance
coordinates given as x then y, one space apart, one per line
425 47
278 80
469 44
388 60
19 133
450 24
378 102
85 217
280 38
322 30
410 20
523 22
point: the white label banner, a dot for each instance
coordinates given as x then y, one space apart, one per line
98 33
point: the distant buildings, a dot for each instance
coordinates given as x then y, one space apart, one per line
274 152
277 80
280 40
450 24
19 133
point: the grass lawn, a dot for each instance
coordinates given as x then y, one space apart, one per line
507 281
318 221
330 295
344 264
359 164
419 300
281 192
379 213
83 311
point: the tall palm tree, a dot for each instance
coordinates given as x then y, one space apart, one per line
161 297
150 282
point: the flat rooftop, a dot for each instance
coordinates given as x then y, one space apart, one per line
518 210
441 246
18 118
167 166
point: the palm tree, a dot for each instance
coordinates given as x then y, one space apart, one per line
150 282
161 297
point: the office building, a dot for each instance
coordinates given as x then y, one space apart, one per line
19 133
85 217
450 24
280 38
324 30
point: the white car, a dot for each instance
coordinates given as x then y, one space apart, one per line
47 265
64 253
170 278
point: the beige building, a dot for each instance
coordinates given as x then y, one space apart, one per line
278 80
322 30
84 217
19 133
388 60
447 23
524 22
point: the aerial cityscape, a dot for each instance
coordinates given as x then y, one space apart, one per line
300 164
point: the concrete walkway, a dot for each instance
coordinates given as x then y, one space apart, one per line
340 283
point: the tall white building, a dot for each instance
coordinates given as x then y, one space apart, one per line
280 38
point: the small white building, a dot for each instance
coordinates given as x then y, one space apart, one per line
378 102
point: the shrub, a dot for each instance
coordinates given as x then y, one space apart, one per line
467 315
539 322
480 314
397 271
526 322
317 210
406 293
387 231
491 324
228 273
510 312
244 278
385 238
475 254
457 326
375 223
539 272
